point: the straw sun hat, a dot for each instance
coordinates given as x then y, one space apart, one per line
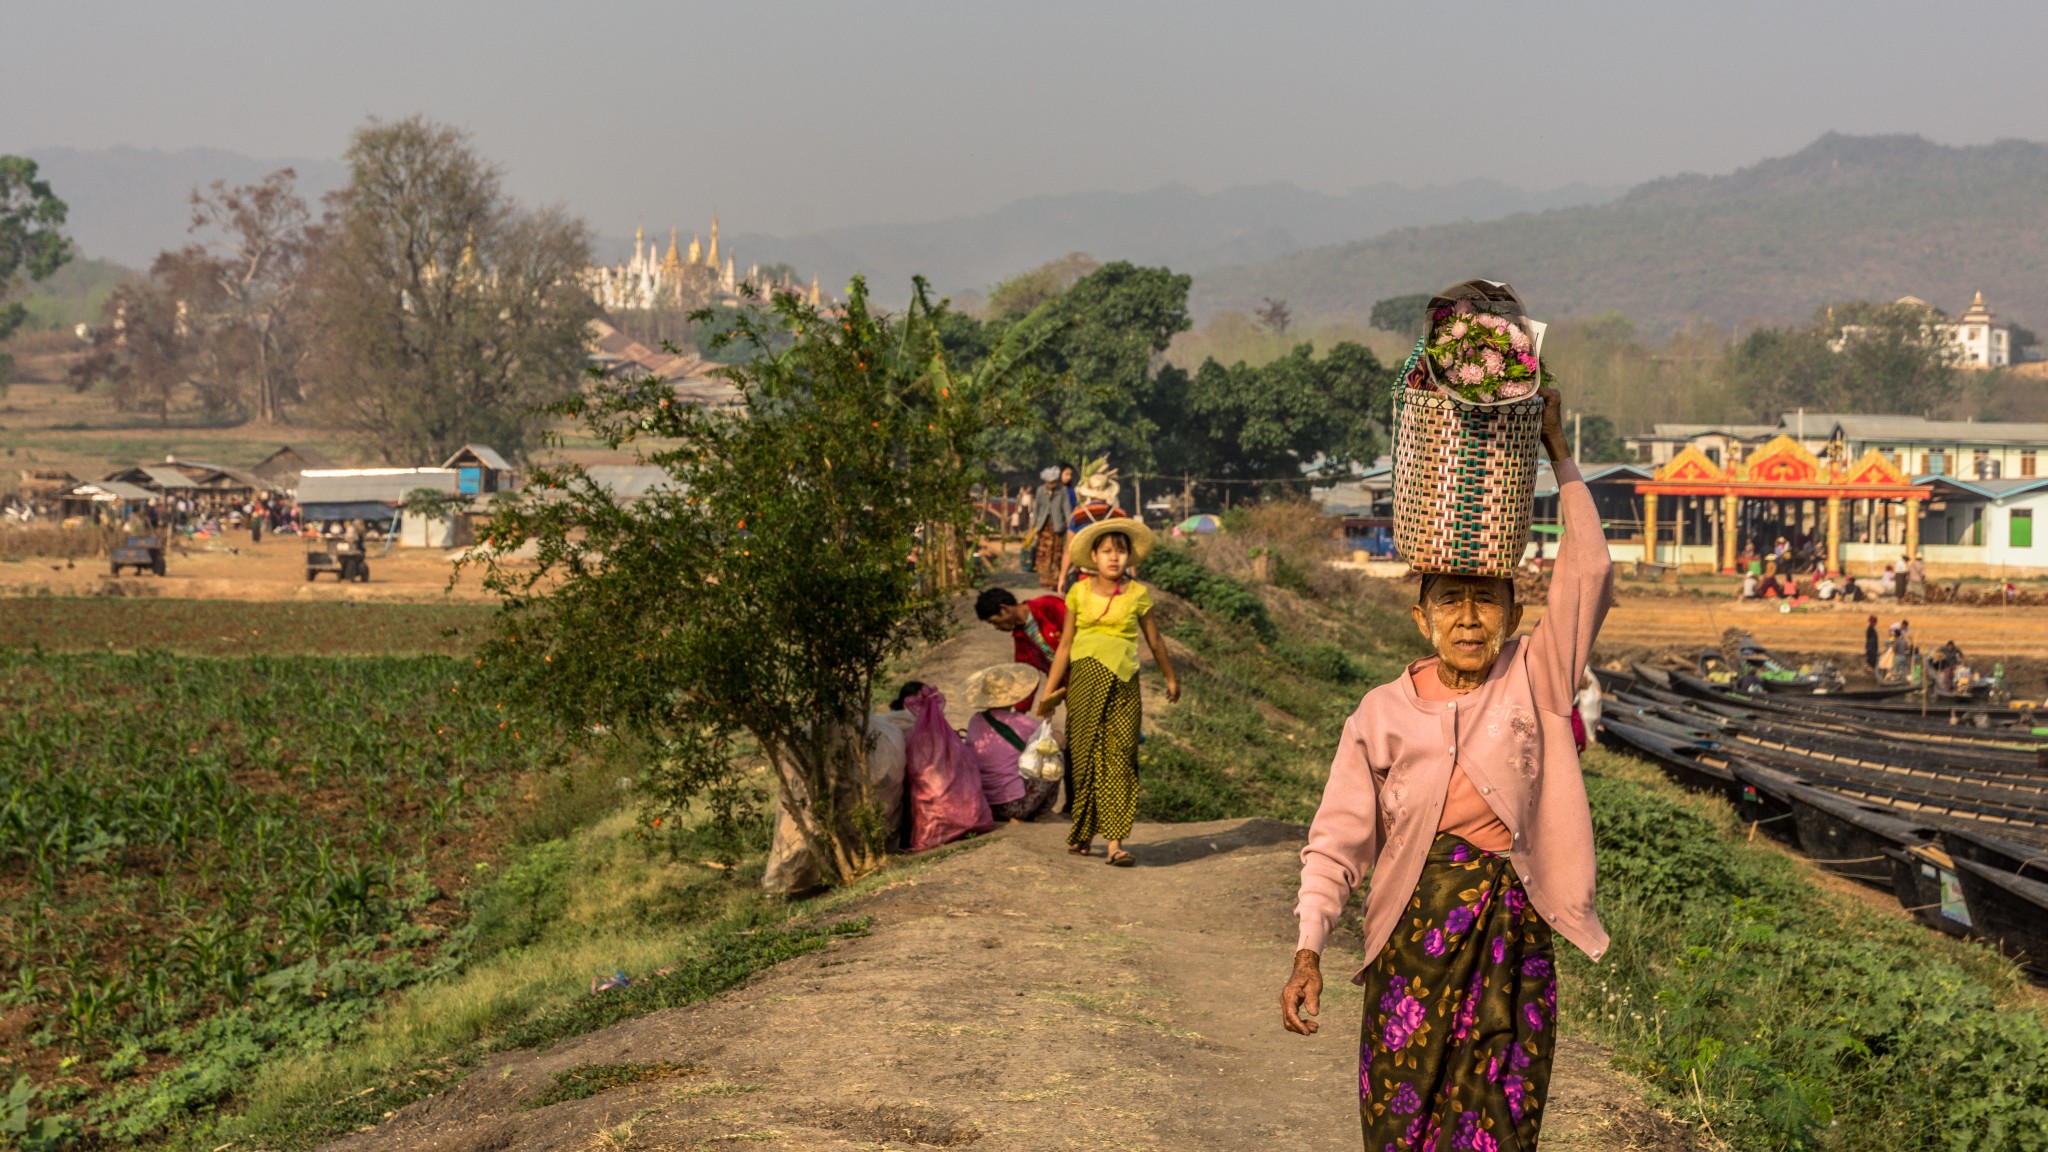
1081 545
1002 686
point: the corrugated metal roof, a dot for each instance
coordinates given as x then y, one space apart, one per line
1916 428
1994 489
485 454
119 489
161 476
343 486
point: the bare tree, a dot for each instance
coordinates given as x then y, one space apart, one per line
449 313
254 281
1274 315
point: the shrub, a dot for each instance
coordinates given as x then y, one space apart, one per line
1177 571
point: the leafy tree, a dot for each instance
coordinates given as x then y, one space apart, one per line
1275 421
1115 324
1598 442
1023 293
753 600
2020 338
1856 357
449 314
142 351
31 247
1404 314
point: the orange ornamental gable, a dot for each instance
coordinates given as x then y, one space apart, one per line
1875 468
1783 469
1782 461
1691 465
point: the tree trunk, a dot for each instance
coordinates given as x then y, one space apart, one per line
824 786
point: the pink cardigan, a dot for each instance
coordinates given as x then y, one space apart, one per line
1393 766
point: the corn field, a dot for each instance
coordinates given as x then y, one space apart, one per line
182 839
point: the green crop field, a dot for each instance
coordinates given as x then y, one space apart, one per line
242 628
204 860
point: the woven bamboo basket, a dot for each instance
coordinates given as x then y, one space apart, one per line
1464 479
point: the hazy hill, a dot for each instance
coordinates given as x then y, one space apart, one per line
128 204
1172 225
1848 216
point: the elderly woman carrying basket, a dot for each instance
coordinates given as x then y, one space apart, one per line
1457 788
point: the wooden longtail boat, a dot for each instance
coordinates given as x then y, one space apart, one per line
1850 839
1924 880
1998 851
2010 910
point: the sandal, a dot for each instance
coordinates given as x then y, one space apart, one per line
1121 859
1081 849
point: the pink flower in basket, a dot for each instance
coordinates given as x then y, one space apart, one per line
1485 359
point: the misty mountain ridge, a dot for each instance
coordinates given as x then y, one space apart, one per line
128 204
1874 217
1173 225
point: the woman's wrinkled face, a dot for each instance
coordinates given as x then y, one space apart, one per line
1467 619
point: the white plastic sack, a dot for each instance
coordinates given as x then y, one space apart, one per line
790 865
1041 758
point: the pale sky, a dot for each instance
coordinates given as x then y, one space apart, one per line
787 117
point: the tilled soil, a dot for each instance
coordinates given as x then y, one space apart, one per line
1013 997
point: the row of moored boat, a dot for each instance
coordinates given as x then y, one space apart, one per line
1949 812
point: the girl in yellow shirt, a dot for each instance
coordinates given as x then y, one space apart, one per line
1096 670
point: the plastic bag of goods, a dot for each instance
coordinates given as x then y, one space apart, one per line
1042 758
946 801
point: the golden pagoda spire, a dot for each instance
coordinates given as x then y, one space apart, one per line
711 256
696 250
672 264
814 292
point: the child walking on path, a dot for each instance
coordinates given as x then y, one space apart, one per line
1096 670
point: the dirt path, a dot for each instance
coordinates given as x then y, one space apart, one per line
1014 997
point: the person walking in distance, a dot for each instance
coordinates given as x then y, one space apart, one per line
1456 786
1096 671
1048 530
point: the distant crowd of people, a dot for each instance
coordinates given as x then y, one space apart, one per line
1775 576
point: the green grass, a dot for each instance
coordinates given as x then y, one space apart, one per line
1785 1017
628 899
1253 734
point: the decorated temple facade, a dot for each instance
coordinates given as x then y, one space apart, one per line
1705 513
678 280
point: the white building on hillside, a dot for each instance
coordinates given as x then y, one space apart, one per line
1985 341
1980 338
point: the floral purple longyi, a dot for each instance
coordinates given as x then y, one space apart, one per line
1477 961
